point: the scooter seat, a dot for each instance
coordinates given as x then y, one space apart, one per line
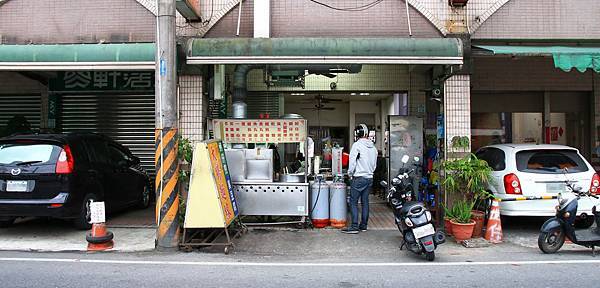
408 207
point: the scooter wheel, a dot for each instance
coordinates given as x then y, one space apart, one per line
550 242
430 256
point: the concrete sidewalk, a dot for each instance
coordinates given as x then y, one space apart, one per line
56 235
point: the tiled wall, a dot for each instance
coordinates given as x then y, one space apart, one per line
191 107
543 19
293 18
457 110
81 21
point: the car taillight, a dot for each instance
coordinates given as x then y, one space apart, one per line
595 186
65 162
512 184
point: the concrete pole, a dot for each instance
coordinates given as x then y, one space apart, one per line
167 164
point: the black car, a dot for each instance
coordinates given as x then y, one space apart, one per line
58 175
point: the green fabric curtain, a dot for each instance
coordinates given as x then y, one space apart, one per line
581 62
565 58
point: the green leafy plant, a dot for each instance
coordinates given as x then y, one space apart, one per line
461 142
185 150
468 177
461 211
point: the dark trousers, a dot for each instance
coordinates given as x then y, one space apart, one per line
360 189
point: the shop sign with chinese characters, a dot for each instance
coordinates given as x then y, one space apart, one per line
103 81
260 131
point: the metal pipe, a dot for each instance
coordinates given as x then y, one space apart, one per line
408 19
239 19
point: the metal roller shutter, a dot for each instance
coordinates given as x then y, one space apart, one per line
128 119
29 106
262 102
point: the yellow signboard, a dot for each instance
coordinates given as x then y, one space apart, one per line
211 202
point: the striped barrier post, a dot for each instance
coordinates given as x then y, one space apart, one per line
167 174
524 198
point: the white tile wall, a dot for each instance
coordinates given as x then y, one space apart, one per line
457 109
191 110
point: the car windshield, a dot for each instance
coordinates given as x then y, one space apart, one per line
550 161
15 153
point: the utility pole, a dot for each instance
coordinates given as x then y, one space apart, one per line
166 162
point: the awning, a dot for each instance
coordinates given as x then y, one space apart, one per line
324 51
565 58
57 57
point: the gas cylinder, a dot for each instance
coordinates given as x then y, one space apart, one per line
338 208
319 204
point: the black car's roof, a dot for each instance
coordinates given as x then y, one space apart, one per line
50 136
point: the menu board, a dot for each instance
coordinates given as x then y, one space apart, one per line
260 130
211 202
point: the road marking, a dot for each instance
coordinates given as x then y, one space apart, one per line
284 264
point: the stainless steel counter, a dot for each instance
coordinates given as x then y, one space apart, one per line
272 198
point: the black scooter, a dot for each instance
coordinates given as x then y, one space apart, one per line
412 217
554 230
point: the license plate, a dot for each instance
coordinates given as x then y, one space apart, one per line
423 231
16 186
556 188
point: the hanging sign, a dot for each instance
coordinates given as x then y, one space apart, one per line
260 130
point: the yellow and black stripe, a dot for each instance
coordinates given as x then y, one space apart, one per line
524 198
167 174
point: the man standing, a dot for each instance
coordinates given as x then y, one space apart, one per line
363 160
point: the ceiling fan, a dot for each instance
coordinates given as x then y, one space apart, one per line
320 102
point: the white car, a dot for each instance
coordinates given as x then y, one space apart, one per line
538 170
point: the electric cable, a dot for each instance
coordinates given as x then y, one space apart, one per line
351 9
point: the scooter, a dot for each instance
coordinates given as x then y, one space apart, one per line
556 229
412 217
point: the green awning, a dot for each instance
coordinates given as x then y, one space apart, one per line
130 56
565 58
324 51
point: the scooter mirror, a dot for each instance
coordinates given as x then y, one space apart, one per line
417 159
577 188
396 181
405 159
383 183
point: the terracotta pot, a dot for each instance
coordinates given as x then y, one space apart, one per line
479 218
448 227
462 231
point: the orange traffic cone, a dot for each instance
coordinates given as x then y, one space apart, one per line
493 232
99 239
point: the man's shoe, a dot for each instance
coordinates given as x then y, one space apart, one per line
363 229
349 230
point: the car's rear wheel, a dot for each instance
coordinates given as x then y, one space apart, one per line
145 198
550 242
7 222
82 221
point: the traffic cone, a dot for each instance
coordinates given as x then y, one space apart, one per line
493 232
99 239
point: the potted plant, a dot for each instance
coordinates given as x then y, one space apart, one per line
448 215
468 179
462 224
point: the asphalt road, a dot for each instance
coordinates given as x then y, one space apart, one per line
194 270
